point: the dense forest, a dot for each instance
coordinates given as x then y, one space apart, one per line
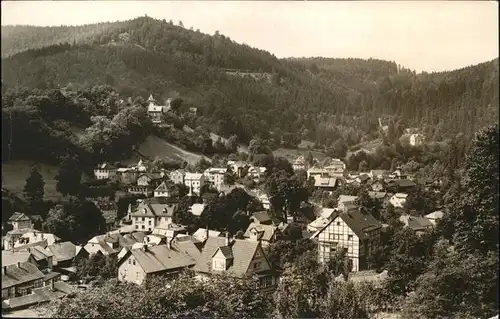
327 101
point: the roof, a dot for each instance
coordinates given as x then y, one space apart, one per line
42 294
160 258
435 215
226 251
402 183
162 187
12 258
63 251
215 170
186 246
40 253
192 176
106 166
358 222
16 217
415 222
266 230
327 212
178 171
401 195
378 172
152 208
243 252
201 234
42 243
197 209
262 217
319 222
346 198
155 108
324 181
18 275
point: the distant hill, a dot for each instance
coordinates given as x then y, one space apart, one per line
321 100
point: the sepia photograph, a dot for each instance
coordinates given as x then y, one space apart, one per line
250 159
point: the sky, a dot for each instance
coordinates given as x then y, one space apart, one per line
426 36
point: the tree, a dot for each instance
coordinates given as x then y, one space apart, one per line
68 177
475 215
363 166
310 159
176 104
34 186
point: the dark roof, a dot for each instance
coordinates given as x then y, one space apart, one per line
18 275
262 217
418 223
187 247
162 187
42 243
40 253
360 223
266 231
402 183
152 208
42 294
16 217
243 252
227 251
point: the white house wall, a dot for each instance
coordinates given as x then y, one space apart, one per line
128 272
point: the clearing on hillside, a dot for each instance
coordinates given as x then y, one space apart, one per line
14 174
154 146
291 154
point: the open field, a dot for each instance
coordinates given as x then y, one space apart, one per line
154 146
291 154
14 174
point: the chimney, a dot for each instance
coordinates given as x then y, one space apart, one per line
52 285
207 232
18 264
4 270
227 238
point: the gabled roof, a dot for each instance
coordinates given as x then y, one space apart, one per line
401 195
327 212
227 251
150 208
40 253
106 166
41 243
193 176
416 223
201 234
162 187
266 231
18 275
18 217
325 181
12 258
243 253
358 222
378 195
160 258
262 217
402 183
197 209
185 245
435 215
64 251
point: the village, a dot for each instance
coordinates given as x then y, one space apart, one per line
38 267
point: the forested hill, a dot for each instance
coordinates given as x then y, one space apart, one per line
328 101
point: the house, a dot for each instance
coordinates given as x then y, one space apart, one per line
266 234
154 111
215 176
141 167
400 185
417 139
377 185
52 290
141 264
197 209
378 174
398 200
147 179
256 173
177 176
345 200
193 110
325 183
237 167
195 182
161 191
261 218
103 244
202 234
336 168
27 236
164 234
66 255
140 190
322 220
20 279
10 257
105 171
43 257
315 171
352 231
150 214
127 175
109 210
20 221
236 258
434 216
397 174
362 179
299 163
418 224
264 199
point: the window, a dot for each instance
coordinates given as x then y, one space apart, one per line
149 222
143 219
267 282
137 276
136 226
133 262
256 265
349 237
129 261
143 227
338 223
